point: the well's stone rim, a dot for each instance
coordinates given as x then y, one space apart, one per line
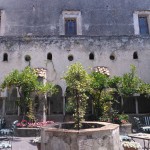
106 127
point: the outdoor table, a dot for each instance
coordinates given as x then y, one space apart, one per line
143 136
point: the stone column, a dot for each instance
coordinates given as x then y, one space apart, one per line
64 103
4 95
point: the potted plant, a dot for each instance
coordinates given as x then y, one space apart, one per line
131 145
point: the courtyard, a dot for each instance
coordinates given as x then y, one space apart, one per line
25 143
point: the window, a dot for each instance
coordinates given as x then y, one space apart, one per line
70 23
135 55
141 22
27 58
143 25
49 56
91 56
5 57
70 57
112 57
70 26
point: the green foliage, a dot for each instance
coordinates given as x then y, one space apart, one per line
144 89
27 83
120 118
101 94
78 81
99 81
128 84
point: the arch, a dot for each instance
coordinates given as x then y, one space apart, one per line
91 56
55 102
5 57
11 107
135 55
49 56
69 110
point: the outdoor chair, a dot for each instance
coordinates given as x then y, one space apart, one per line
141 127
9 132
5 144
146 120
2 123
125 138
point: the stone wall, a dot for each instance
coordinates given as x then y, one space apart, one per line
122 48
99 17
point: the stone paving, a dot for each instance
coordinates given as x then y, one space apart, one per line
23 143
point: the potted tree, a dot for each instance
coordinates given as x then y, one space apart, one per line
78 81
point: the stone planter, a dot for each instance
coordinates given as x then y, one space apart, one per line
38 146
125 129
26 132
104 136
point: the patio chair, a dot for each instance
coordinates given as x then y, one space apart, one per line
140 126
9 131
5 144
146 120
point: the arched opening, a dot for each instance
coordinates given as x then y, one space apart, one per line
69 109
5 57
55 102
49 56
91 56
135 55
11 107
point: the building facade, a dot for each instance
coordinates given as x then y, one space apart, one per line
54 34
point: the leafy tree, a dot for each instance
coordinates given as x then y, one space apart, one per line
78 81
128 85
27 83
101 94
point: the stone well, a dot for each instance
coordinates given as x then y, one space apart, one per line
105 137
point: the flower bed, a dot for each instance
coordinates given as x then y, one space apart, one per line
25 123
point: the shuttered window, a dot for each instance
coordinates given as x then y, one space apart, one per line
143 25
70 26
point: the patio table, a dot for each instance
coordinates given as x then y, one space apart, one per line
142 136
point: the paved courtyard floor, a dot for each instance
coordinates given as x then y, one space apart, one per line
23 143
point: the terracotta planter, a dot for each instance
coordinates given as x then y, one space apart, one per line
38 146
126 148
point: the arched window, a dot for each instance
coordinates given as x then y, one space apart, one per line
135 55
49 56
5 57
55 102
91 56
